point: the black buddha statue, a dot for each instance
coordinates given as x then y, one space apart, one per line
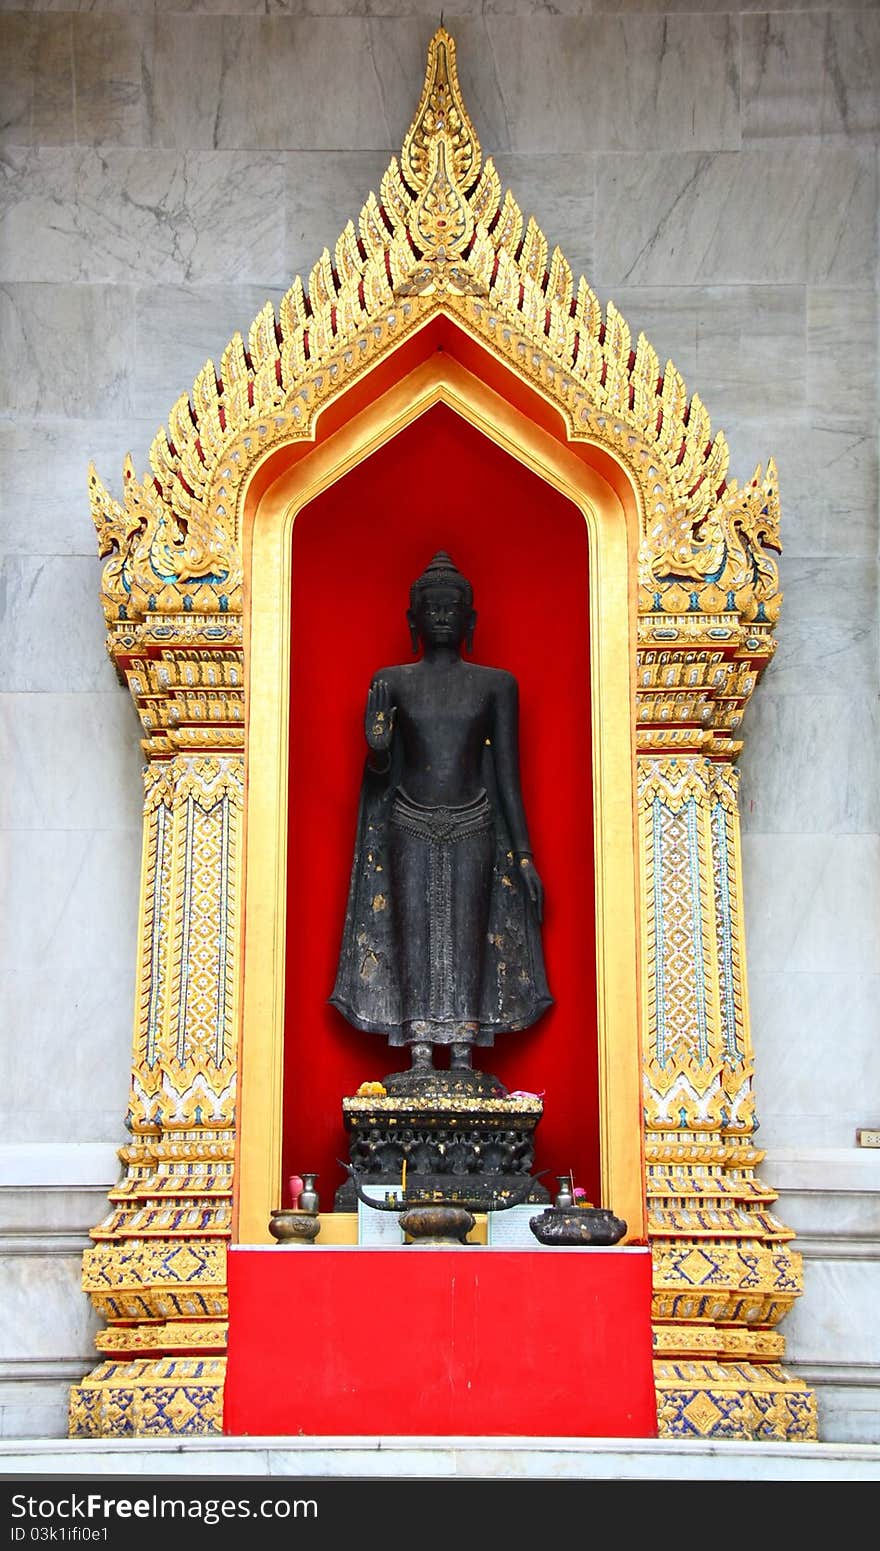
442 941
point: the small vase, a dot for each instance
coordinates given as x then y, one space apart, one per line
295 1187
564 1197
309 1200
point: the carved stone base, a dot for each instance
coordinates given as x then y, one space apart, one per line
167 1397
467 1150
733 1400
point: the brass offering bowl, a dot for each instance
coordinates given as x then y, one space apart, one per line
289 1226
437 1223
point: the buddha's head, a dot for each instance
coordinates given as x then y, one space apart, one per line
441 606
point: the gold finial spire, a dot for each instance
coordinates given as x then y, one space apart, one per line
441 116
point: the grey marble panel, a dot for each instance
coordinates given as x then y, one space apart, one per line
803 1092
178 330
842 363
40 370
751 350
809 763
811 75
110 68
617 83
559 192
323 192
207 7
793 215
277 82
828 641
37 1410
849 1413
52 630
70 899
532 83
53 112
426 7
812 903
93 738
44 497
18 46
186 82
840 1315
36 80
138 7
127 215
827 481
43 1308
827 1209
60 1210
727 5
75 1024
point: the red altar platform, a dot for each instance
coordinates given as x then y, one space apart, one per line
478 1341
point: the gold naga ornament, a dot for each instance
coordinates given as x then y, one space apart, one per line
443 239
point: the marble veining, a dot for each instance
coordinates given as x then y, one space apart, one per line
95 737
817 1104
812 902
38 375
829 643
805 214
832 742
123 216
811 75
48 636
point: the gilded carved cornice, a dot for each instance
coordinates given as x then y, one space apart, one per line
442 237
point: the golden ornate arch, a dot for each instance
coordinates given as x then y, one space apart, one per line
441 239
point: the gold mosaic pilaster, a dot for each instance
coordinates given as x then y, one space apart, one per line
724 1272
157 1271
441 238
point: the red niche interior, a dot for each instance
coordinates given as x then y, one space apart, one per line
439 484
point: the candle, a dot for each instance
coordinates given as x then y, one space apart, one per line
403 1180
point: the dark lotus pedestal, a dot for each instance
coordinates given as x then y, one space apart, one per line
464 1148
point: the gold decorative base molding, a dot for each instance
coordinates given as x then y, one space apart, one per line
721 1343
167 1397
165 1338
733 1400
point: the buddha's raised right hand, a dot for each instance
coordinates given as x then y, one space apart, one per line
379 717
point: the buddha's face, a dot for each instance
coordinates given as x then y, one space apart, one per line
442 616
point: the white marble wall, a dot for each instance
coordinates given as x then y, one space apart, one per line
167 166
